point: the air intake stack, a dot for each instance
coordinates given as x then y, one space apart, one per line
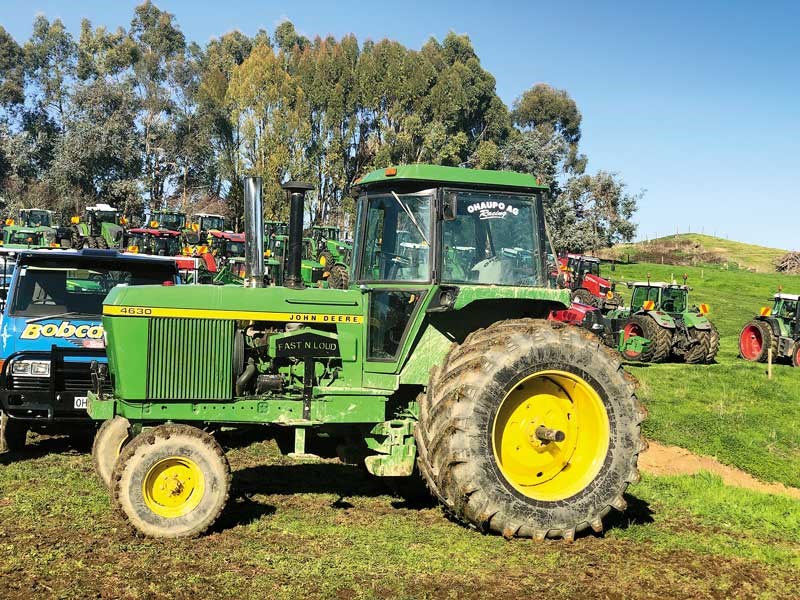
297 192
254 233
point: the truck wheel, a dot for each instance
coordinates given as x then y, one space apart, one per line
13 434
530 429
713 344
660 338
583 296
698 353
109 441
171 481
755 340
339 278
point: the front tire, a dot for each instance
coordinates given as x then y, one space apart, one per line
171 481
108 443
339 278
796 355
477 436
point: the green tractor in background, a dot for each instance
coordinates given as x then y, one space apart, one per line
419 372
776 329
168 219
101 227
660 312
333 254
276 242
33 228
202 224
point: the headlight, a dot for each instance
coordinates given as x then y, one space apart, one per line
31 368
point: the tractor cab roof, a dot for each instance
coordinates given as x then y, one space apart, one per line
792 297
584 258
660 284
100 207
437 176
154 232
227 235
208 215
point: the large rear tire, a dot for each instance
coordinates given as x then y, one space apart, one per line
584 296
796 355
108 443
171 481
486 410
755 341
660 338
699 351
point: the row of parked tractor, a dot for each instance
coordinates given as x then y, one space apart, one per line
209 252
660 323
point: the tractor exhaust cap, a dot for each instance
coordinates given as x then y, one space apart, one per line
254 233
296 191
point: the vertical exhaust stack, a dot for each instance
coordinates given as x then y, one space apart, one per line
254 233
297 192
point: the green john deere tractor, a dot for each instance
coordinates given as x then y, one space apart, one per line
33 228
334 254
517 425
776 329
660 312
168 219
101 227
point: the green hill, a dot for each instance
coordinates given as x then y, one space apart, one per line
697 249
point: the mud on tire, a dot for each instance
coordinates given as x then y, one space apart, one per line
456 437
171 481
339 278
108 443
583 296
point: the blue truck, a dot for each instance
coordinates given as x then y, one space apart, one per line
51 332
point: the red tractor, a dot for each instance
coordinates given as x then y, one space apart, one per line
581 274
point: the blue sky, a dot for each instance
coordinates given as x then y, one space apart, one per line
696 103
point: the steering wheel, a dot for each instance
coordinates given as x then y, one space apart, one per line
397 262
98 277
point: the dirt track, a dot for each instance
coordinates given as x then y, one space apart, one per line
672 460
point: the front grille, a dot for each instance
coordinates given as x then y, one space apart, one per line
73 377
190 359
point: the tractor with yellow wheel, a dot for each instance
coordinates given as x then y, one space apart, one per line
422 370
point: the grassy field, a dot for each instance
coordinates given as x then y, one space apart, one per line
691 248
326 530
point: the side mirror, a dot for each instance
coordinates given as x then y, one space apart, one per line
450 206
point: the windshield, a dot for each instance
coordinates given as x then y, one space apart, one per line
785 308
397 238
174 221
159 246
213 223
105 216
493 240
25 237
79 286
673 300
231 249
35 218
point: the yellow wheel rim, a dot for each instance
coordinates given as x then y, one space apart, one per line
323 260
173 487
558 405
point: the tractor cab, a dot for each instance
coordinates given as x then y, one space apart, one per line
208 222
156 242
786 309
168 219
660 296
99 214
223 244
581 274
34 217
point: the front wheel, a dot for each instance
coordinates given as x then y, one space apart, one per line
530 429
171 481
109 441
796 355
660 338
585 297
339 278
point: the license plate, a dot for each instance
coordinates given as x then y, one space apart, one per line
80 402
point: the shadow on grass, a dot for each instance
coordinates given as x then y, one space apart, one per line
637 513
44 445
